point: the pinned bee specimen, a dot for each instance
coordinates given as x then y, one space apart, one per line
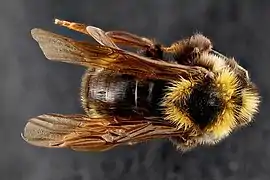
197 98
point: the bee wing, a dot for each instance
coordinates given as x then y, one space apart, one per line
82 133
60 48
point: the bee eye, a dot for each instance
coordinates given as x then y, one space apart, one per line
204 104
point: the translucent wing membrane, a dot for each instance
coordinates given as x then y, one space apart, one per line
60 48
79 132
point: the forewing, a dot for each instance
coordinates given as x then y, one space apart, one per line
81 133
60 48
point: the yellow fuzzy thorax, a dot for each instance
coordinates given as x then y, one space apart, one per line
229 88
178 90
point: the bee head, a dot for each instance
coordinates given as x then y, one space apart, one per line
212 106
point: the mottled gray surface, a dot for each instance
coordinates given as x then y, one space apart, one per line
31 85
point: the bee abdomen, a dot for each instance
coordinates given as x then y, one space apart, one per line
121 95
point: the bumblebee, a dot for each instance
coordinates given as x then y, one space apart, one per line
187 92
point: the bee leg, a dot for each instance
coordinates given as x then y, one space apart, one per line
186 51
72 25
153 52
184 145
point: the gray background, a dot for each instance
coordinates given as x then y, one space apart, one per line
31 85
